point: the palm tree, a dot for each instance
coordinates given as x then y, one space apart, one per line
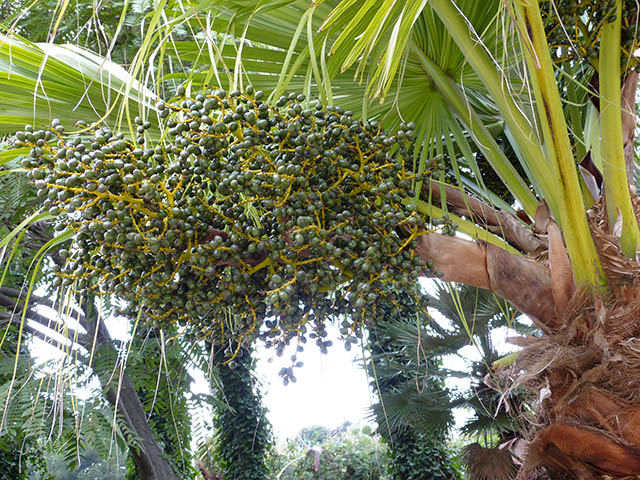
566 108
413 412
411 352
555 82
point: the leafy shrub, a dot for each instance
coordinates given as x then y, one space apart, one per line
352 455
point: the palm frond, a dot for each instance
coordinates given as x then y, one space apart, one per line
488 463
41 82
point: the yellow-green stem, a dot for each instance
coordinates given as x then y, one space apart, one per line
616 183
580 246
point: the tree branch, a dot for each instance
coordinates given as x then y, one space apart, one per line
10 297
513 231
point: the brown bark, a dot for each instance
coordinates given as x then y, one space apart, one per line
563 285
498 221
568 447
572 448
602 409
524 283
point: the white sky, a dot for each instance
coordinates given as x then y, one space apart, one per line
330 389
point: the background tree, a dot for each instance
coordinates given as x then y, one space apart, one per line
163 383
409 394
408 346
108 29
351 454
242 432
314 435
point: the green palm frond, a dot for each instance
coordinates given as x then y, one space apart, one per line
41 82
405 353
375 31
409 407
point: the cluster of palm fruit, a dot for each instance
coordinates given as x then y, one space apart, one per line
248 220
574 26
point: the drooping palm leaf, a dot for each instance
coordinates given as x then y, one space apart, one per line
41 82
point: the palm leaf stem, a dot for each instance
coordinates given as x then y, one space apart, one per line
584 258
613 161
511 228
464 226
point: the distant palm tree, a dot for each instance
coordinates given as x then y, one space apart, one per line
410 351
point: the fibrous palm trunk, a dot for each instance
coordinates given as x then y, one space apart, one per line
585 369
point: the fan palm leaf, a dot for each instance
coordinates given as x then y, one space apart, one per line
41 82
406 365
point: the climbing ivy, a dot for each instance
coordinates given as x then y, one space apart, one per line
242 432
419 455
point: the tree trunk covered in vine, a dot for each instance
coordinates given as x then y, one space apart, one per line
242 431
416 453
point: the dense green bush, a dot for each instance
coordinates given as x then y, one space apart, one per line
352 455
